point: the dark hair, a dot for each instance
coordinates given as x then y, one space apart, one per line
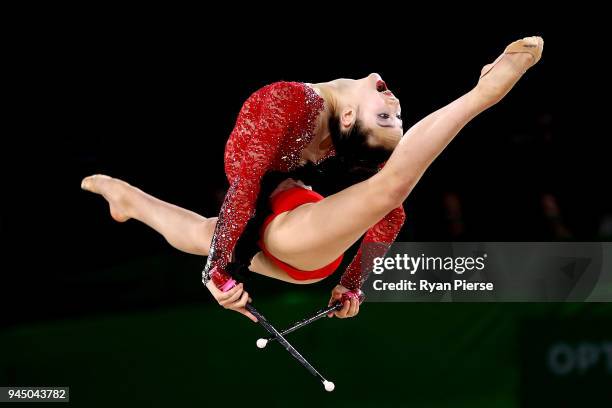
352 146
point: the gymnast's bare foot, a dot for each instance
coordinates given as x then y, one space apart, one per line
498 78
115 191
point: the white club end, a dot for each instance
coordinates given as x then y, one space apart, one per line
329 386
261 343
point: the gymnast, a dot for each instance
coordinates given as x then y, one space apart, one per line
286 126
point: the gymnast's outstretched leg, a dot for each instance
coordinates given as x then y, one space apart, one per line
329 227
183 229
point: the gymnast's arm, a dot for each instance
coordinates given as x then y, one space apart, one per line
375 243
262 138
237 208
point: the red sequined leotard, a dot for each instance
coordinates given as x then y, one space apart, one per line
274 126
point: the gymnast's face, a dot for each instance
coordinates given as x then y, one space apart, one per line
368 125
379 112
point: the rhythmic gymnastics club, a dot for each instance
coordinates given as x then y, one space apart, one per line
329 386
261 343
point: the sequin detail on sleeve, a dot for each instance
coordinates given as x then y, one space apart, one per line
273 127
375 243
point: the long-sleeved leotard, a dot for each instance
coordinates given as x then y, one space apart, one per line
375 243
274 126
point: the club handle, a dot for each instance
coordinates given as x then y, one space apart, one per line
228 285
352 294
222 280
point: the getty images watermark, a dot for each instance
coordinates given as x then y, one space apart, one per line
412 265
489 271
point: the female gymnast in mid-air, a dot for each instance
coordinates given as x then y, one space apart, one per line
286 125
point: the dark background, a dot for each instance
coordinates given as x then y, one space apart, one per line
116 314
